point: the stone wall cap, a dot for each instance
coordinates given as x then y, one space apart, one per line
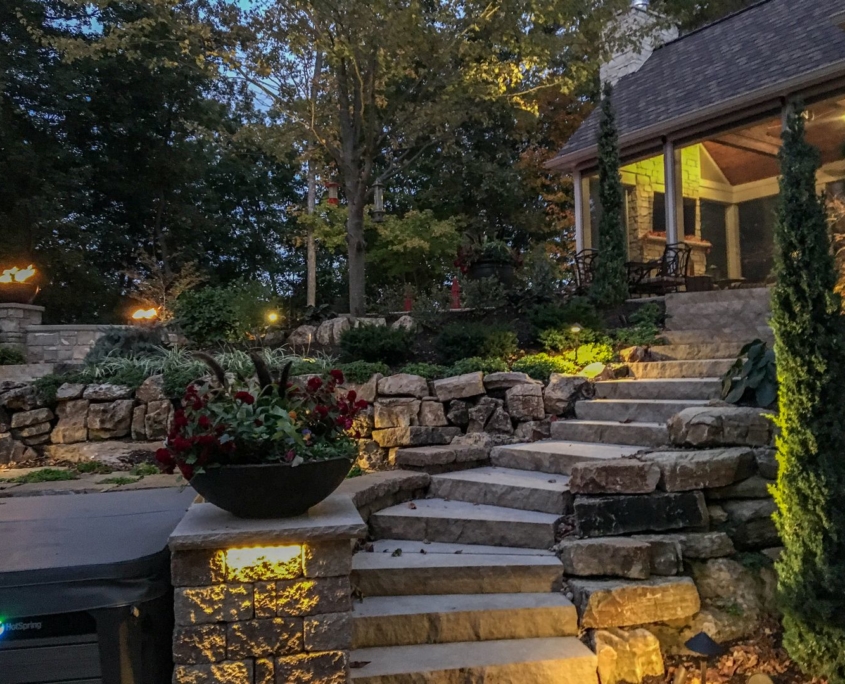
74 328
25 307
206 526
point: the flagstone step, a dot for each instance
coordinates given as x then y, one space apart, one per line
433 458
639 410
666 389
696 352
400 568
556 660
421 619
557 456
506 487
611 432
658 370
459 522
711 336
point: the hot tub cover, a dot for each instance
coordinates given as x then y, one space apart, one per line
69 553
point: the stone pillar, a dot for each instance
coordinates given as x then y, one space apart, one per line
264 601
14 320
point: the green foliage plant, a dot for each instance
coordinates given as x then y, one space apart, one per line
484 294
753 378
473 339
11 356
567 339
429 371
358 372
810 349
541 366
128 342
207 316
376 344
477 365
45 475
610 285
577 311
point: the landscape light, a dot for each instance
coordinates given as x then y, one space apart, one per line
273 317
701 644
144 315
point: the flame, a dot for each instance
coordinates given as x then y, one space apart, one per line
144 315
17 275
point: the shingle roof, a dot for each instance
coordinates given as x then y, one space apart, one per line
772 42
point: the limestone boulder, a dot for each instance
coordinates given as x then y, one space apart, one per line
157 419
303 336
329 332
603 516
139 428
70 391
724 583
483 440
750 524
533 431
722 426
501 382
767 463
621 476
73 422
619 603
396 412
481 413
612 557
25 419
364 423
414 436
755 487
21 398
628 657
374 322
499 423
110 420
367 391
694 545
525 402
106 392
5 421
561 393
459 413
682 471
370 455
152 389
635 355
459 387
403 385
404 323
432 414
111 453
12 450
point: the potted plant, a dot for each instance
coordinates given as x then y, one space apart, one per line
487 259
264 449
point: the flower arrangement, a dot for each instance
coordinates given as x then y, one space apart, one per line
489 251
263 422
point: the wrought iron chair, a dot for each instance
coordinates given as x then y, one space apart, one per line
661 276
585 269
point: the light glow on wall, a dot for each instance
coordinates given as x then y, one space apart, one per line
259 563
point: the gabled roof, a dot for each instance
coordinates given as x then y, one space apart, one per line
774 44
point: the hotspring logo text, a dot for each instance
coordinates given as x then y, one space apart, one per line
19 627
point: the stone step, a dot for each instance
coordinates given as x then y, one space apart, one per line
611 432
556 660
659 370
639 410
459 522
670 388
409 620
400 568
506 487
696 352
556 457
436 458
698 336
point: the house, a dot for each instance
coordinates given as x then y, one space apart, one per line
705 111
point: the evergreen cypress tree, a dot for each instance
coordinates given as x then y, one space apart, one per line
810 491
610 285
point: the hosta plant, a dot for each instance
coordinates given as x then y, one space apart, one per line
261 422
753 377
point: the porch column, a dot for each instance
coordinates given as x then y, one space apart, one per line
579 211
670 178
734 249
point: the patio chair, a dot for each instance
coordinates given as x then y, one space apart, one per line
661 276
585 269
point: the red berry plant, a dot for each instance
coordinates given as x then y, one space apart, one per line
259 422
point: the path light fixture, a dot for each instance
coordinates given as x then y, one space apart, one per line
702 645
576 330
378 202
272 318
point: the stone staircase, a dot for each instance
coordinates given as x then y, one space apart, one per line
462 586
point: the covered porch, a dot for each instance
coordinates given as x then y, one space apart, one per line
721 197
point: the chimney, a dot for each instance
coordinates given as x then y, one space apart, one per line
646 30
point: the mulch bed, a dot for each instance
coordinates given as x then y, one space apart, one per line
764 654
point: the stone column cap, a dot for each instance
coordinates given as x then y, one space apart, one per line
206 526
25 307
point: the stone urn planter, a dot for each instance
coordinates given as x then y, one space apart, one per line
18 293
273 490
503 272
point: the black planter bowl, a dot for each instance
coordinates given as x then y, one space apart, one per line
18 293
504 273
271 490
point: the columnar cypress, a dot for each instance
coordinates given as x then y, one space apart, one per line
810 351
610 285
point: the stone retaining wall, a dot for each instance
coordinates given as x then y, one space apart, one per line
64 343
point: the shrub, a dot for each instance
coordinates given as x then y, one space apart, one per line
476 364
466 340
587 354
359 372
207 316
429 371
177 379
753 378
563 339
541 366
376 344
484 293
11 356
640 335
47 386
126 343
649 314
578 310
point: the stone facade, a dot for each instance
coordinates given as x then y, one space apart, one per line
63 343
15 319
264 601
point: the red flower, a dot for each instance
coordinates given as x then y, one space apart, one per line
323 411
315 383
204 422
182 444
165 460
187 470
245 397
179 419
198 404
352 396
207 440
337 375
361 405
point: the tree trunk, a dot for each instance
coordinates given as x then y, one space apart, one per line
311 259
356 249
